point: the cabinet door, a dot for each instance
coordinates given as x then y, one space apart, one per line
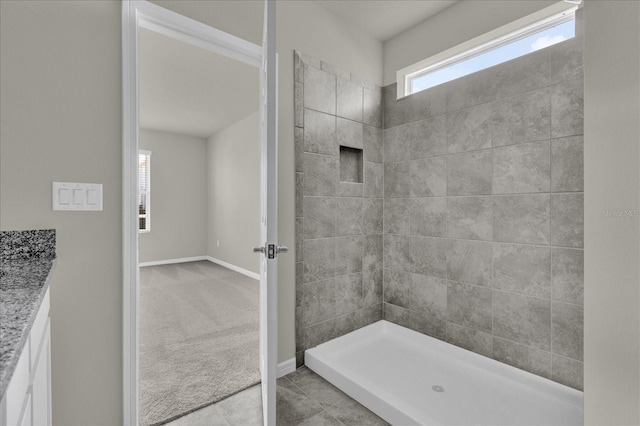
41 397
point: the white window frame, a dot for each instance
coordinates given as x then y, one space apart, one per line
518 29
147 214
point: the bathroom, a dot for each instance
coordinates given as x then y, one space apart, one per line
71 54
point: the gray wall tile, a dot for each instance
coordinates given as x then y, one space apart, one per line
396 214
470 218
319 333
469 173
349 133
521 119
567 275
397 142
469 306
298 137
427 216
299 195
522 319
428 177
396 252
428 137
567 330
319 90
521 168
567 164
396 287
373 144
348 293
298 67
337 71
469 262
350 216
319 301
470 339
299 229
319 217
396 180
372 252
299 282
522 269
373 219
350 189
522 218
469 129
426 324
565 60
299 328
567 220
473 89
428 256
427 295
298 105
372 285
320 175
348 258
396 314
523 74
567 109
320 133
568 372
373 180
372 107
349 104
523 357
319 259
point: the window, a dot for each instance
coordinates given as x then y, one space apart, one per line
144 190
540 30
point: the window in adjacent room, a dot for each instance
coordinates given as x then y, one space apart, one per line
144 190
540 30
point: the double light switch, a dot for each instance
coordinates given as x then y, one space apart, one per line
77 196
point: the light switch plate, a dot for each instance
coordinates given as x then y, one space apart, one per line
77 196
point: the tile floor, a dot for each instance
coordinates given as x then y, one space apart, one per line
303 398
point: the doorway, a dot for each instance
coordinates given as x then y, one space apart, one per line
140 16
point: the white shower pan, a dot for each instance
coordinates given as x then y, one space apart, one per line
408 378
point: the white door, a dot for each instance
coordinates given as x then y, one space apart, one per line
269 249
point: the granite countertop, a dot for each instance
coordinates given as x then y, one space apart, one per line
24 278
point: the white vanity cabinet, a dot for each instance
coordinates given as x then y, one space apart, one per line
27 400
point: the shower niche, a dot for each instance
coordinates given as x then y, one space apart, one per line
350 164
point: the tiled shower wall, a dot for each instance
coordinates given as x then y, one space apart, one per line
338 202
483 212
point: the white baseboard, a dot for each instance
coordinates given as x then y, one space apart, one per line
170 261
286 367
234 267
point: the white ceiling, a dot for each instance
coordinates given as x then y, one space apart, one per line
191 91
385 19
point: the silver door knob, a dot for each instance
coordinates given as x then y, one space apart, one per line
258 249
282 249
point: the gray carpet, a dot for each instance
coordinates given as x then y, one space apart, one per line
199 338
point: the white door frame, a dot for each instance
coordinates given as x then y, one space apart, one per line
136 14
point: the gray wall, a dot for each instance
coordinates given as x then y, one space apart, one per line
483 208
338 217
61 80
178 197
233 204
612 240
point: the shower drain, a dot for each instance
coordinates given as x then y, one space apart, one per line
437 388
